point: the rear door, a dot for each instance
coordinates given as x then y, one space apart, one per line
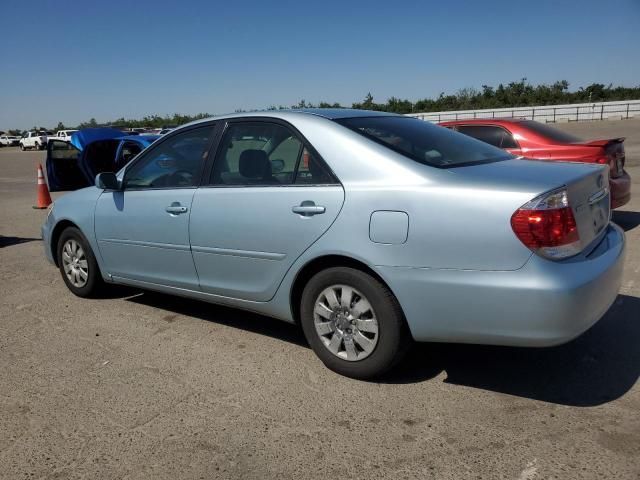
143 230
268 198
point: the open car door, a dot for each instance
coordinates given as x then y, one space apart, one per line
63 169
74 165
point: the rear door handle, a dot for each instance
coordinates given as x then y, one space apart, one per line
308 208
176 209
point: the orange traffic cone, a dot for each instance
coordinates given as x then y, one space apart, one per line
44 199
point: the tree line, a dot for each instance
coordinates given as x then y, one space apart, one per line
514 94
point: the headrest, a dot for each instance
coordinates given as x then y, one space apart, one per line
255 164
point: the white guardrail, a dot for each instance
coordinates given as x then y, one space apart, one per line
545 113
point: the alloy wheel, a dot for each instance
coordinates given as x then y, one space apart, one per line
346 322
75 264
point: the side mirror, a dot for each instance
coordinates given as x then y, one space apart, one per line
107 181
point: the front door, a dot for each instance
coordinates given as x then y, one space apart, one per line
143 229
269 198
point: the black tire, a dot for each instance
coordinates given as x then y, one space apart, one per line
94 283
393 341
22 147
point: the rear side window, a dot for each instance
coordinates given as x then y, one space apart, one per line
264 153
424 142
496 136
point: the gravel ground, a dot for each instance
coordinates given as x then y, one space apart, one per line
142 385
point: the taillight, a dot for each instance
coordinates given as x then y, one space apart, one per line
547 226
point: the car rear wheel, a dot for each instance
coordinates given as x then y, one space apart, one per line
78 265
353 323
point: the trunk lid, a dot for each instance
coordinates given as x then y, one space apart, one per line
589 198
587 187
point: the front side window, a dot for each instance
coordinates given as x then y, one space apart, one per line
174 163
424 142
256 153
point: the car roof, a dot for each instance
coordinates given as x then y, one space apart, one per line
336 113
484 121
84 137
289 114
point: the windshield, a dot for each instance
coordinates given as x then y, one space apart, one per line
424 142
551 133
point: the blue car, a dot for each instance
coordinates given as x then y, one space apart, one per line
75 164
370 230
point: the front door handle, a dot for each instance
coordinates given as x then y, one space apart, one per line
308 208
176 209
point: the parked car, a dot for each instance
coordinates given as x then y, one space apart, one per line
531 139
9 141
75 163
64 135
369 229
35 140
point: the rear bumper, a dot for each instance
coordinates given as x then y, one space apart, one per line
620 190
544 303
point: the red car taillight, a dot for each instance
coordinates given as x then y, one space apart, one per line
547 226
615 166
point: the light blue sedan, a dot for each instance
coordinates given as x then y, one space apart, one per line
369 229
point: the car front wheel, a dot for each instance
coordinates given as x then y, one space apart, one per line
78 265
353 323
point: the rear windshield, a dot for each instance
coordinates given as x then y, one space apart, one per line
550 133
424 142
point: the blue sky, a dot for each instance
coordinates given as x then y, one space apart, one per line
72 60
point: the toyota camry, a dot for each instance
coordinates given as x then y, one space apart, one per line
370 230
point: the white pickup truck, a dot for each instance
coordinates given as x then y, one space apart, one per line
35 140
64 135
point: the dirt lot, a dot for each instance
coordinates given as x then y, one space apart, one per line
148 386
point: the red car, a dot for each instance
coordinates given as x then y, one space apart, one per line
535 140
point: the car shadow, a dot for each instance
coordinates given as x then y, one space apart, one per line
597 367
9 241
230 317
626 220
